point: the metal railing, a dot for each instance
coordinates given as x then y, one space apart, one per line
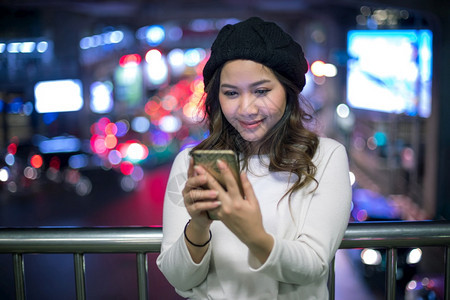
143 240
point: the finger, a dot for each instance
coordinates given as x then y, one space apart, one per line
195 182
191 167
198 195
248 188
204 206
229 179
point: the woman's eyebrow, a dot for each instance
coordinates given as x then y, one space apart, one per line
227 85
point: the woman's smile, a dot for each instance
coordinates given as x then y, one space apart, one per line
251 124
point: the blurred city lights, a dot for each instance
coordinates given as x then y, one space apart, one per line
36 161
111 37
122 127
126 167
156 67
110 141
155 35
371 143
127 184
130 60
30 173
72 176
9 159
160 138
49 118
138 173
12 187
343 111
170 123
174 33
175 59
136 152
414 256
42 47
101 97
140 124
193 57
27 47
371 257
321 69
78 161
12 148
98 144
60 144
58 95
383 72
55 163
13 47
352 178
101 125
4 174
346 119
380 138
111 129
84 186
115 157
362 215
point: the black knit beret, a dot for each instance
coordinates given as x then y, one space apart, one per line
262 42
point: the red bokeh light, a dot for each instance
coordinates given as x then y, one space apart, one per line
36 161
126 168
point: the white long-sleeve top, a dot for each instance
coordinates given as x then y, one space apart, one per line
307 231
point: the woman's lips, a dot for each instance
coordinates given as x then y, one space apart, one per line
250 124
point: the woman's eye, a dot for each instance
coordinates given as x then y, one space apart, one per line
262 92
230 93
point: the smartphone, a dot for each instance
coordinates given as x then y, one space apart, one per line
208 160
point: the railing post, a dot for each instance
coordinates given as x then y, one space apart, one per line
391 273
142 270
19 276
332 280
80 278
447 274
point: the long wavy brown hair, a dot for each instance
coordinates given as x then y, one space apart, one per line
290 145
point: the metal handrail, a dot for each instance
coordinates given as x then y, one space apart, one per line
142 240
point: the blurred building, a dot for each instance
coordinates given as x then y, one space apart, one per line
114 86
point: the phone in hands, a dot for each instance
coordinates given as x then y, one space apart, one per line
208 160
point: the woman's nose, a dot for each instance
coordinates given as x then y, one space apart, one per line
248 105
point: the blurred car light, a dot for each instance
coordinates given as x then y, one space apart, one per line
371 257
414 256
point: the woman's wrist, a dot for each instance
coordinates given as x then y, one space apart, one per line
262 246
197 236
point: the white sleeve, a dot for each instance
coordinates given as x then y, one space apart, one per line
174 260
307 258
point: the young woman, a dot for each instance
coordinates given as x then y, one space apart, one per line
276 241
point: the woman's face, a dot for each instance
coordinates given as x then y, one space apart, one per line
251 97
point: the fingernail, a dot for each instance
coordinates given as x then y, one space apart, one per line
220 164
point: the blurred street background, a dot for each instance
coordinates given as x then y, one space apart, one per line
98 96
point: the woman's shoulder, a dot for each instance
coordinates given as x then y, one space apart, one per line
327 147
183 156
328 143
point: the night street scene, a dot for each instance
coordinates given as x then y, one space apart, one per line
98 97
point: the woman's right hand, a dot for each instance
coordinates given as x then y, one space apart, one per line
197 199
